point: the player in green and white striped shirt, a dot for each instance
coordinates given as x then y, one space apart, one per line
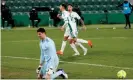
75 16
71 31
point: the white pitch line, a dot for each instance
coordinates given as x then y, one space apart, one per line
78 63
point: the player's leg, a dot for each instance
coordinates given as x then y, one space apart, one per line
66 35
75 30
3 23
12 23
126 19
71 39
84 41
51 72
82 47
38 21
8 22
32 22
59 72
63 45
78 43
54 75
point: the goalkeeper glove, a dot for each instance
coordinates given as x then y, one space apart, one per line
38 69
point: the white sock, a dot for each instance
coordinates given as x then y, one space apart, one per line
82 41
56 74
74 48
63 45
79 44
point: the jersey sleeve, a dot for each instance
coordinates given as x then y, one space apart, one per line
131 6
42 58
77 16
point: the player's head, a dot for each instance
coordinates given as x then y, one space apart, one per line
41 33
63 7
70 7
33 9
3 2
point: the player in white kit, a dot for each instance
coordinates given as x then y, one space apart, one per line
78 41
71 32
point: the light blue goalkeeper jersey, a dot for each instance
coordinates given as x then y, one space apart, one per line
48 51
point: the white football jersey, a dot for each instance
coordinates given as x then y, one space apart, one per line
71 22
65 15
74 16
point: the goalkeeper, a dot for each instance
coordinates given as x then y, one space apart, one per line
47 70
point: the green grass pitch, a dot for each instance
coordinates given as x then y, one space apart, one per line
112 51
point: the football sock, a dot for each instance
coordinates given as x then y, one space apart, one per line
63 45
81 41
74 48
80 45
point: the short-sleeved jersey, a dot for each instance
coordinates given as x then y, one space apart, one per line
69 20
74 16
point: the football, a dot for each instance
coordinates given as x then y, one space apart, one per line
121 74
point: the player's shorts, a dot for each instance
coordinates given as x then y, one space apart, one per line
49 65
73 34
71 31
67 32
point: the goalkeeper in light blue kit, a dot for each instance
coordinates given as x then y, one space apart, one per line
48 60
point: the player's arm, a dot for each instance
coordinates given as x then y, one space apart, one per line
41 63
131 6
39 76
42 59
65 23
51 47
59 16
82 22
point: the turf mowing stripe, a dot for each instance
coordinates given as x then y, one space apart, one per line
88 27
59 39
97 65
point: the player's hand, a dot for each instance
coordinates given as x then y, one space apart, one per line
38 69
84 28
59 16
